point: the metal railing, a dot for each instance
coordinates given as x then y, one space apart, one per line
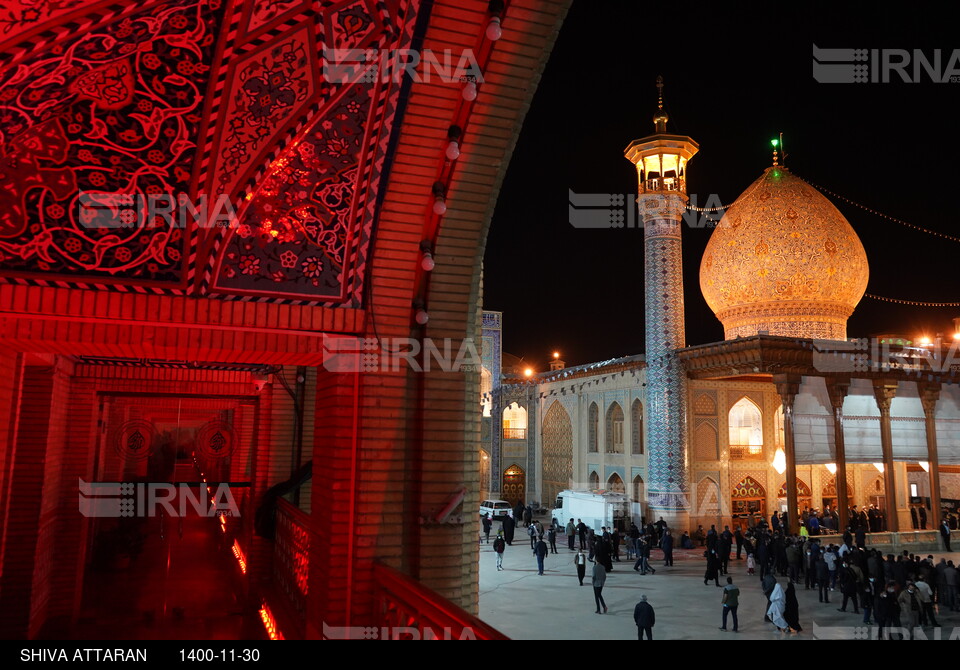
404 604
514 433
291 552
745 453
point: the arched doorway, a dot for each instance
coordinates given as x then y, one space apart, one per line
557 452
829 497
804 497
615 484
639 490
514 484
748 499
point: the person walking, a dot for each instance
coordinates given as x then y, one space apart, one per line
645 555
778 606
532 534
945 533
849 586
582 531
768 582
540 550
641 545
738 537
730 601
791 610
552 537
713 568
571 534
487 526
498 546
581 562
508 525
644 617
599 578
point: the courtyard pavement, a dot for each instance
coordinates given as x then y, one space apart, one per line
524 605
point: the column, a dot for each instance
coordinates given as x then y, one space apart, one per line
788 386
837 388
884 392
666 378
32 499
929 395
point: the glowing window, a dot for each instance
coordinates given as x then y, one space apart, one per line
746 430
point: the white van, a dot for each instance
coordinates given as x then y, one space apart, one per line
496 508
596 509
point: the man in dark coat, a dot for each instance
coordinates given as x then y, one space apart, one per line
861 538
738 537
667 545
645 618
945 534
923 517
763 556
582 533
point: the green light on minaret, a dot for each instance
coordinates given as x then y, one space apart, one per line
775 143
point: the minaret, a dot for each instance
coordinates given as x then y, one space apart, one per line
661 161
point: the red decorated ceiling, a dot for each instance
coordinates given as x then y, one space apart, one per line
109 112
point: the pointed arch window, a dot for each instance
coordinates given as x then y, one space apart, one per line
745 431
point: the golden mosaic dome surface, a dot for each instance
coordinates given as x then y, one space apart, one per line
785 261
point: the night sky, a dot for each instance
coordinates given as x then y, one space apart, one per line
734 79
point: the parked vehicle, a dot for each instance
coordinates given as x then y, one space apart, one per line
596 509
497 508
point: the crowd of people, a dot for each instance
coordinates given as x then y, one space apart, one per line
893 592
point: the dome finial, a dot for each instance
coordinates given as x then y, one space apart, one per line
660 118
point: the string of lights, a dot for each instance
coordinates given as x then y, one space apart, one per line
881 214
703 210
915 303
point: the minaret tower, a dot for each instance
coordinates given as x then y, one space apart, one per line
661 161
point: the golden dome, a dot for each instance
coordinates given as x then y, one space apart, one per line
785 261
